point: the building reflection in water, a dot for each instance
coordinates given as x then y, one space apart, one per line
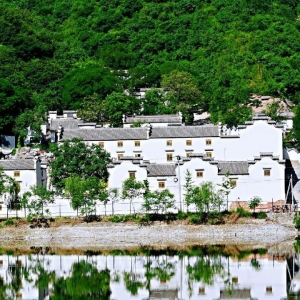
150 275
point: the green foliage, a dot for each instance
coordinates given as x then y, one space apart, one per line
84 193
296 220
211 55
254 202
243 213
132 189
37 200
9 222
274 111
261 215
75 158
182 215
10 188
205 197
115 219
158 201
85 282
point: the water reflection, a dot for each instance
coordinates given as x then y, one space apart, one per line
195 273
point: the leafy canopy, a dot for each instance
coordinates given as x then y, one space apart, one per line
75 158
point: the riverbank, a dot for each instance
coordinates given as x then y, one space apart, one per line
107 235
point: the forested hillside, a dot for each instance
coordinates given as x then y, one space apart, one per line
56 53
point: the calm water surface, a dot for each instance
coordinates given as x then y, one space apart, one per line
211 272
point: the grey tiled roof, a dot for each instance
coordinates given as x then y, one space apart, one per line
155 119
65 123
155 170
184 131
233 167
17 164
107 134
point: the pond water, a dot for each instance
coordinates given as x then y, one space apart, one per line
207 272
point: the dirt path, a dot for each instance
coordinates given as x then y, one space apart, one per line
127 235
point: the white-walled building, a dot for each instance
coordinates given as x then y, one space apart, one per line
230 279
252 153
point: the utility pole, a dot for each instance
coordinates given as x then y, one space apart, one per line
179 181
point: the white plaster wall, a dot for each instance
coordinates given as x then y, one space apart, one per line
291 154
272 273
256 184
256 138
27 178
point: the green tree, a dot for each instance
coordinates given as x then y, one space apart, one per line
254 202
158 201
84 193
205 197
132 189
10 188
85 80
85 282
274 111
74 157
37 200
183 94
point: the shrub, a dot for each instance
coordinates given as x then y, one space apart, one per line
115 219
1 226
296 220
182 215
243 213
215 218
261 215
9 222
194 219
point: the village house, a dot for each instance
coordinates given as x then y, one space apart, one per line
250 155
163 147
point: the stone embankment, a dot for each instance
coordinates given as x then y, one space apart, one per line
103 235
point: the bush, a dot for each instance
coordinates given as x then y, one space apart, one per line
243 213
215 218
182 215
261 215
194 219
116 219
296 220
1 226
9 222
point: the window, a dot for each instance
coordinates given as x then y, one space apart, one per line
131 174
233 183
269 290
189 142
188 154
120 144
161 184
0 207
267 172
120 155
169 142
235 280
208 142
209 154
16 173
137 143
201 291
101 144
169 156
137 154
199 174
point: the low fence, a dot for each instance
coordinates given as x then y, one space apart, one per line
62 208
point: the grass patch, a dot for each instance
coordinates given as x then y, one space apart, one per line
9 222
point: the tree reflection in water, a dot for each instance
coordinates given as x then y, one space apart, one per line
86 282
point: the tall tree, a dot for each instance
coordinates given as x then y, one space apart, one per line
74 157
